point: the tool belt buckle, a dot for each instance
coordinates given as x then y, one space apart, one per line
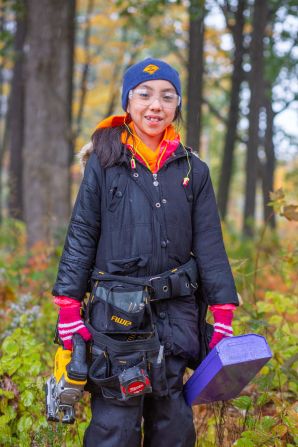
162 291
152 294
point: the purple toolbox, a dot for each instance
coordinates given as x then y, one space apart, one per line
227 369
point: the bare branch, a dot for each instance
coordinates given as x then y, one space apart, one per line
217 114
226 10
286 105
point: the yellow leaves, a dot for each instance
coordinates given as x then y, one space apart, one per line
100 20
277 195
278 302
277 200
80 55
265 370
292 412
290 212
275 320
280 206
6 85
98 95
6 293
280 430
80 142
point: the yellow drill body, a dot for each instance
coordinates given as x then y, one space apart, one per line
62 358
62 391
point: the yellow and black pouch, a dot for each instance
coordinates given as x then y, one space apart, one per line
127 359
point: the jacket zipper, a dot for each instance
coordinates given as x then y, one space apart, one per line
154 249
159 260
156 262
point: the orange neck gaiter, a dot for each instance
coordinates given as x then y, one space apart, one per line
154 160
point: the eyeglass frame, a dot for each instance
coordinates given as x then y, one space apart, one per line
130 96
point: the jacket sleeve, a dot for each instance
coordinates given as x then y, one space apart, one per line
80 246
215 272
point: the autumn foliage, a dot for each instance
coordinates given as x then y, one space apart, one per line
265 414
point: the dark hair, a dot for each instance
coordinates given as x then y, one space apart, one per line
108 145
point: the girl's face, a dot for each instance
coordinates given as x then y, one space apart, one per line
152 106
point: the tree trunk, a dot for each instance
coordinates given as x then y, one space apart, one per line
47 154
195 73
16 123
70 43
268 172
231 132
3 136
256 86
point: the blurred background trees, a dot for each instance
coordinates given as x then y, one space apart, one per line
61 70
61 64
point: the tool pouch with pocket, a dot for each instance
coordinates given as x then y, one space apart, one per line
120 308
126 358
125 369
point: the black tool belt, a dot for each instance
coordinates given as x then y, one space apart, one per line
180 281
127 359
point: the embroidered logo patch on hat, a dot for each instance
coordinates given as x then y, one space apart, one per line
151 68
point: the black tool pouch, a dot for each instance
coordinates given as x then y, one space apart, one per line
138 361
120 308
106 370
126 358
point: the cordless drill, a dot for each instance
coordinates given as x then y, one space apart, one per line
65 387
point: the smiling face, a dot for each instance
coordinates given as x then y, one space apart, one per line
151 120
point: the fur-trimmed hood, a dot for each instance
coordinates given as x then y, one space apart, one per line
84 154
110 121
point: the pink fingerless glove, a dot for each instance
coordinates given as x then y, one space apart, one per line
70 321
223 316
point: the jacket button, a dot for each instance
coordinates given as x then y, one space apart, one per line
164 201
163 244
118 194
157 205
168 345
162 315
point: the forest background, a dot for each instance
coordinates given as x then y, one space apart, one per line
60 74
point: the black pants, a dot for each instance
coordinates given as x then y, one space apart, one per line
168 421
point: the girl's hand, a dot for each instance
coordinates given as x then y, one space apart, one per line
70 322
223 316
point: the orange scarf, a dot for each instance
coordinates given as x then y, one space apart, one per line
154 160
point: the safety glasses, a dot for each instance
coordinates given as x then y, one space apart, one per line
144 96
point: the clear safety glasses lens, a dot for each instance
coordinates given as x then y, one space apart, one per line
168 100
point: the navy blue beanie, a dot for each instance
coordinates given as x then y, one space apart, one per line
148 70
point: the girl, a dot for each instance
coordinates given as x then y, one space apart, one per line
145 233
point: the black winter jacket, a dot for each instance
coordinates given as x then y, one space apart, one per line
130 222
